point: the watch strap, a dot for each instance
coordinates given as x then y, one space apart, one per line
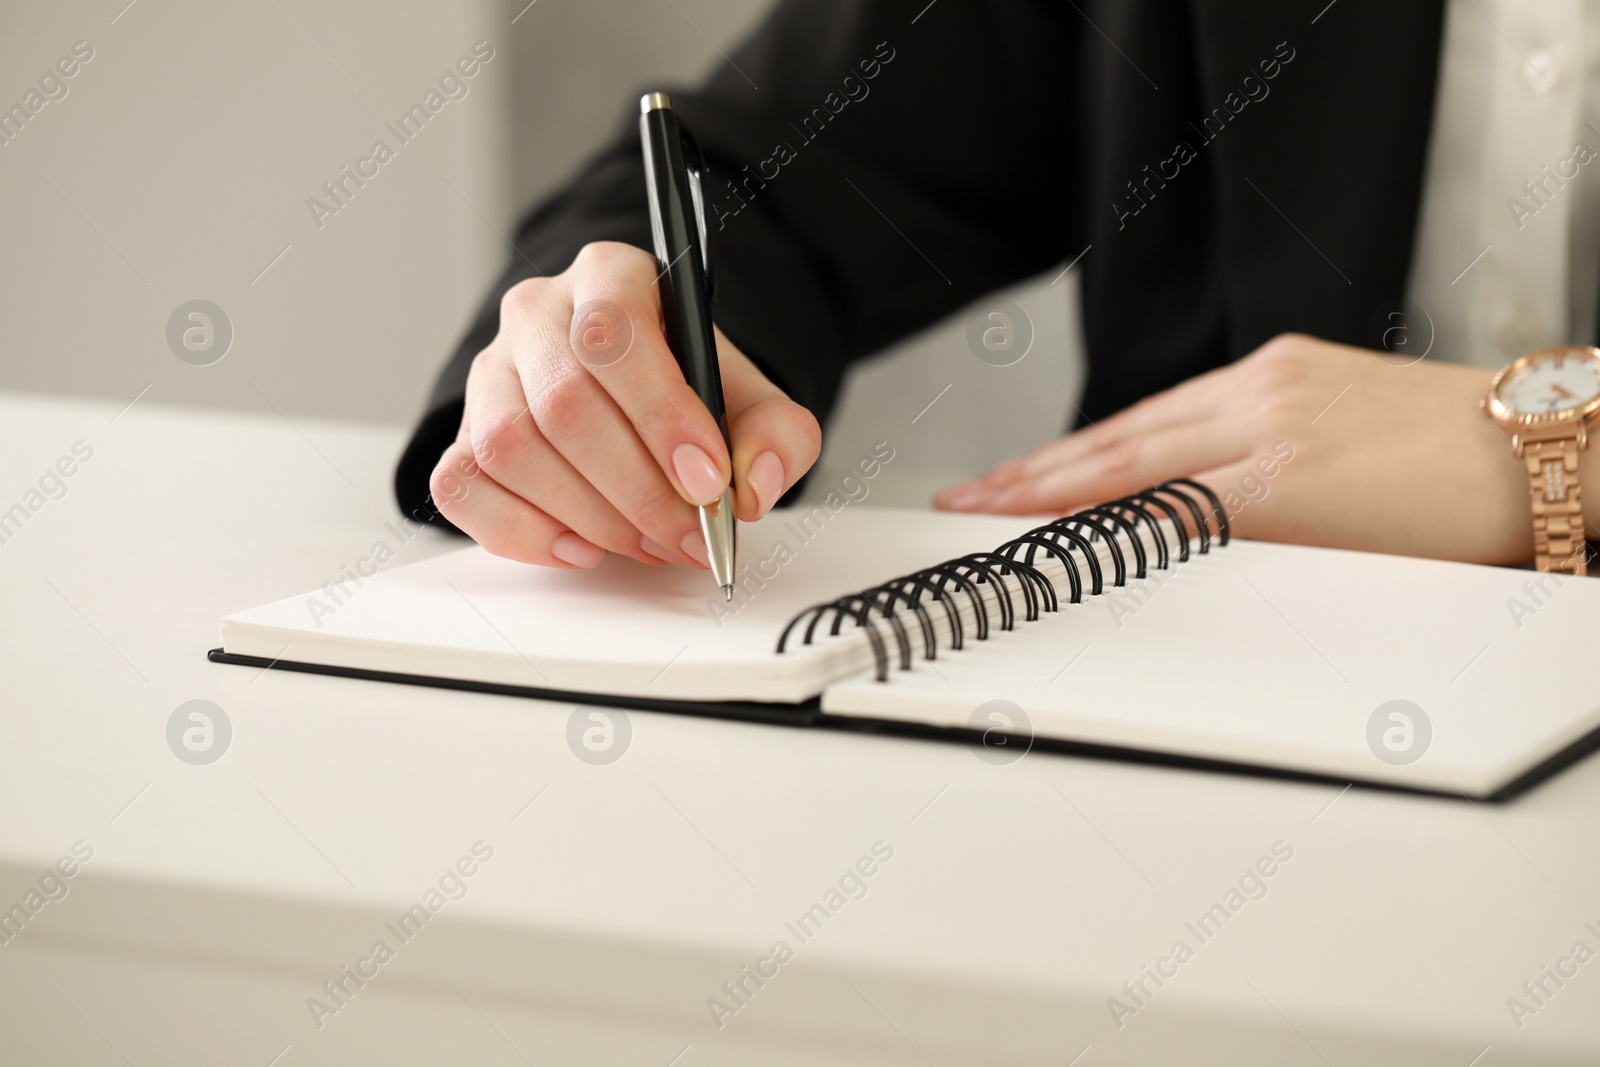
1556 497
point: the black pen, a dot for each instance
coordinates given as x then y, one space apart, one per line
683 252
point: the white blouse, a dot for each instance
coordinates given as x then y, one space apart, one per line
1508 242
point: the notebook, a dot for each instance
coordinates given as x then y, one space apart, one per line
1139 629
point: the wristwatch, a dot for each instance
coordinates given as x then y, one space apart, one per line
1546 401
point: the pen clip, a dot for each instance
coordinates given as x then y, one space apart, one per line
695 164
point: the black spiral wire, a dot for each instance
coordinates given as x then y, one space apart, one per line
1065 539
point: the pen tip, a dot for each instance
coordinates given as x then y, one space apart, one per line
727 592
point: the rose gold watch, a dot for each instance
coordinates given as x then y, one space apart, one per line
1547 401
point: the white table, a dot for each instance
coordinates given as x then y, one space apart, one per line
1018 900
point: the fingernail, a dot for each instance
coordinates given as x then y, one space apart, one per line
653 549
766 479
962 497
568 547
698 475
694 546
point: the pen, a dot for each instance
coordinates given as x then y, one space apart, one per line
683 252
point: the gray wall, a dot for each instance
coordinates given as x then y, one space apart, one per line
179 164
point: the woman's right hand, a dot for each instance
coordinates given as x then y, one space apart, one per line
581 437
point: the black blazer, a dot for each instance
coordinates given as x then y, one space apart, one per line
1236 168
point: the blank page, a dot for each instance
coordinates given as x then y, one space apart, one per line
1279 656
624 628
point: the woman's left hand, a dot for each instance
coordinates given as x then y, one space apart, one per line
1305 441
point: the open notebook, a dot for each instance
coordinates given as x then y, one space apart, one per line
1243 655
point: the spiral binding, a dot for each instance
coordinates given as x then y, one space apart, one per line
1062 539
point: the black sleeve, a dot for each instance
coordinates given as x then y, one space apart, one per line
876 164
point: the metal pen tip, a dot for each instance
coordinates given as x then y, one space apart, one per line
718 527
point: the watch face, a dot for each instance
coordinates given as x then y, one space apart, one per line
1551 383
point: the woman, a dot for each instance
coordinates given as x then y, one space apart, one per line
1260 195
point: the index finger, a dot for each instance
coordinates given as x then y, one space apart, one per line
617 337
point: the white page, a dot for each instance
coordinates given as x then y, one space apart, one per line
625 628
1278 655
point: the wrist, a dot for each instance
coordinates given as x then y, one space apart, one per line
1507 512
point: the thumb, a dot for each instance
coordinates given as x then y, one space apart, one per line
775 440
